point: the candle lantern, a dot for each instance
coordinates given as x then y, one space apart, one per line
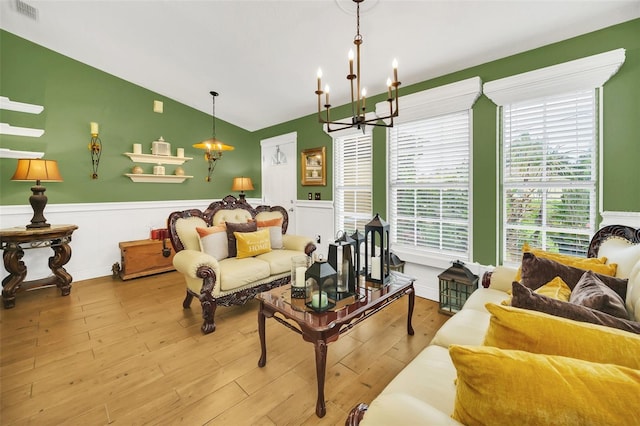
376 251
359 252
299 265
456 285
342 259
321 286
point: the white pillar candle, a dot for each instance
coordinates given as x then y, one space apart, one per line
158 170
94 128
319 300
300 271
137 148
181 152
375 268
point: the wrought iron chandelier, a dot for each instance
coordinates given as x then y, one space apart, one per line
358 95
213 146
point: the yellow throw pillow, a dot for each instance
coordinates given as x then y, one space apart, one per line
532 331
251 244
595 264
556 289
506 387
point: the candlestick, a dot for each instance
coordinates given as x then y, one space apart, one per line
375 268
350 61
364 98
394 64
326 92
300 276
319 79
388 88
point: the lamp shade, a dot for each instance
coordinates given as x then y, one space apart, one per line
242 184
213 144
37 169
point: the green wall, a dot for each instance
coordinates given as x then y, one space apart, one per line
74 94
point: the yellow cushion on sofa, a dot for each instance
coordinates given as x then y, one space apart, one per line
556 289
587 263
506 387
252 243
532 331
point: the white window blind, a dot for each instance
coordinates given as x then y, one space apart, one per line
352 182
429 185
549 159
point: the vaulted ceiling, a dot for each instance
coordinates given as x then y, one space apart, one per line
262 56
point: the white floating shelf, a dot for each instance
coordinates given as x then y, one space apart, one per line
10 153
145 178
156 159
8 129
8 104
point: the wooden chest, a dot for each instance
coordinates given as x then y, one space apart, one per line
145 257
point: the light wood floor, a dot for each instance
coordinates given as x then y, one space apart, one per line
127 353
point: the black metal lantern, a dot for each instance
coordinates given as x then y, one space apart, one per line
321 286
376 251
359 252
456 285
342 259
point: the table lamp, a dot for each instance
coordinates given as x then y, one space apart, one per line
40 170
241 184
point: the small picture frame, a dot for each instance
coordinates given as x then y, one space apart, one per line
314 167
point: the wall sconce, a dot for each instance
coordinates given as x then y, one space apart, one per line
40 170
213 146
95 147
241 184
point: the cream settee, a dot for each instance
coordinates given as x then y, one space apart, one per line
221 270
424 392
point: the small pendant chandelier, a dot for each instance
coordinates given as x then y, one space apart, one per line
358 95
213 146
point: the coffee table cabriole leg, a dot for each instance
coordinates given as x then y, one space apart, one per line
321 366
412 300
62 255
261 331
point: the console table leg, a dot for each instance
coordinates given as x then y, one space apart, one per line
17 272
62 254
321 366
261 332
412 300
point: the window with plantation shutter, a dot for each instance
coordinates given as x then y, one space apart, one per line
429 169
550 144
549 182
352 182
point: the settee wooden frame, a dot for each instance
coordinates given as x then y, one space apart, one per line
356 414
208 302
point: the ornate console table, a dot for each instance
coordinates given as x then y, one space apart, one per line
15 240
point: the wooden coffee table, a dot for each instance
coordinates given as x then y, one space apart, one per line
324 328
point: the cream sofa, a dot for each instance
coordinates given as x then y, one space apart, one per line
217 277
424 392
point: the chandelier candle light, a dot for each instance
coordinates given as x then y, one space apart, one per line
358 95
213 146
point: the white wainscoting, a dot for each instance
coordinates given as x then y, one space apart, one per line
316 218
101 226
620 218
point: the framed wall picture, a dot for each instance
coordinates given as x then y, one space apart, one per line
314 167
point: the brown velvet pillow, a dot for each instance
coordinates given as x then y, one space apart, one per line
524 298
537 271
594 294
238 227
